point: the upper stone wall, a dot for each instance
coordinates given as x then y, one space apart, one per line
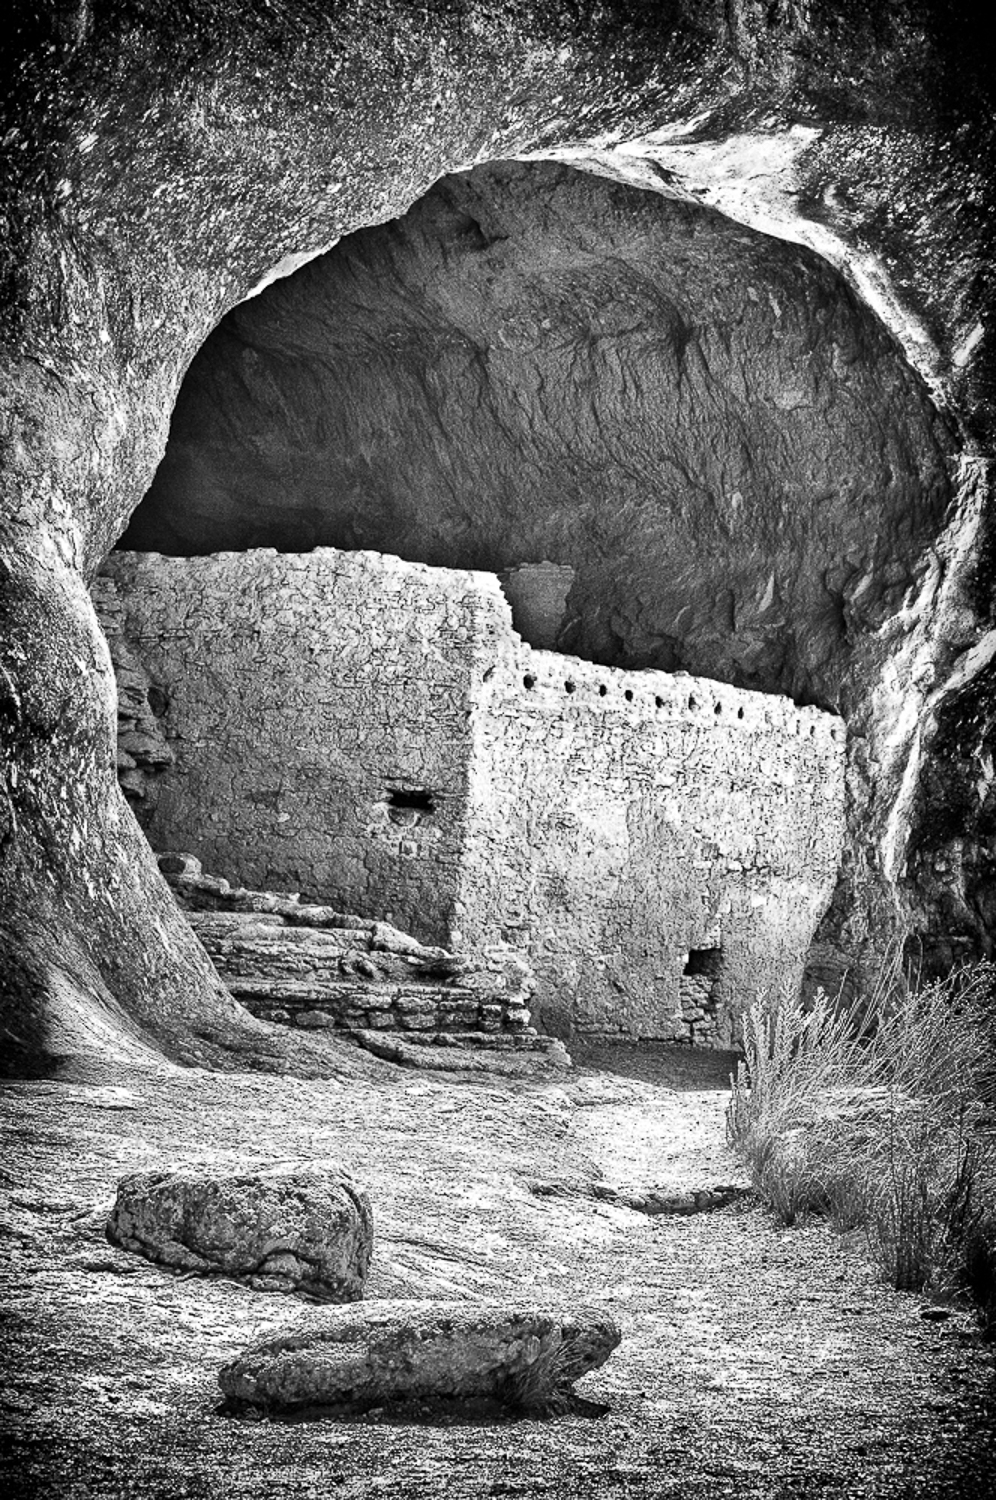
374 733
316 707
662 846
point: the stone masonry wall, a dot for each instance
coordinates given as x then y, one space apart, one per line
142 751
317 710
373 732
661 846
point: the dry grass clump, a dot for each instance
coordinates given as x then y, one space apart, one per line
882 1114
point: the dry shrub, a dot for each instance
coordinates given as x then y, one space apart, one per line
881 1114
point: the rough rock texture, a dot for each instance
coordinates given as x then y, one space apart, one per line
729 450
704 424
309 966
164 162
397 1351
372 732
143 753
538 595
303 1230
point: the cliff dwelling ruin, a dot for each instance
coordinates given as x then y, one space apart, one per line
685 448
496 573
711 373
373 733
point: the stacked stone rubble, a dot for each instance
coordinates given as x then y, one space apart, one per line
700 1010
310 966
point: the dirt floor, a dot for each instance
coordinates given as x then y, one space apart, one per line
755 1361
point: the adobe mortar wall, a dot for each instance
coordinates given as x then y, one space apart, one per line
607 830
620 822
301 691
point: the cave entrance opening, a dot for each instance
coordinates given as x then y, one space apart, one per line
682 446
680 443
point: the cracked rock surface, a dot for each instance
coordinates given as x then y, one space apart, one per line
306 1230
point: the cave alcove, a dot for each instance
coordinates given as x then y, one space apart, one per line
723 454
537 363
141 213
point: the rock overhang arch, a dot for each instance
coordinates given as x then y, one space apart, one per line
160 181
401 292
629 383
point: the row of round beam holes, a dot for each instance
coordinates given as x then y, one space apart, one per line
693 703
529 682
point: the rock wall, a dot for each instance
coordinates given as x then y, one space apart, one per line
142 751
538 594
374 733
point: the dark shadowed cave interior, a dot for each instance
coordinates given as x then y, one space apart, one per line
539 363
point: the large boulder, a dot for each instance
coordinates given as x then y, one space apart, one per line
396 1351
307 1230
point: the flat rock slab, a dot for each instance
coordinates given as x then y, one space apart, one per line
306 1230
394 1352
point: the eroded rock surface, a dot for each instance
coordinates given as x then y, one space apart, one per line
303 1230
394 1351
142 750
727 448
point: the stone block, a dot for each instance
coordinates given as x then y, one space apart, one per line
516 1016
420 1022
388 1352
413 1005
307 1230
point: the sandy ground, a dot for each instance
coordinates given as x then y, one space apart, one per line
756 1361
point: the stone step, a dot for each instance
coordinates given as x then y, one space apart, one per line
231 923
260 932
324 964
525 1041
288 954
312 967
205 896
413 997
446 1052
268 927
408 1008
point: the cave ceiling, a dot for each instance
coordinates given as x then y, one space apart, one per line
706 423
